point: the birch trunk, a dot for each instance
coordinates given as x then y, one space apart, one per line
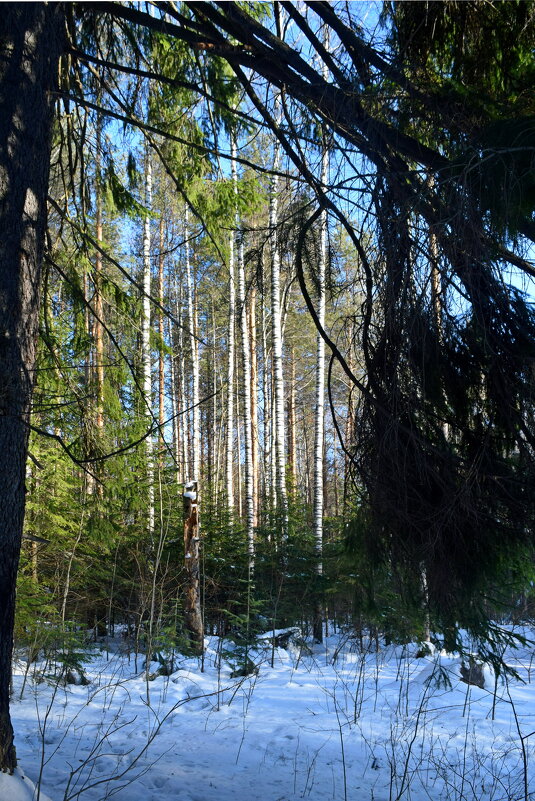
146 361
161 359
230 378
175 409
254 401
349 428
246 384
193 612
216 419
292 430
182 398
239 482
436 300
276 336
98 304
268 489
319 415
196 438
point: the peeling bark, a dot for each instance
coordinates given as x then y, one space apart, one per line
192 611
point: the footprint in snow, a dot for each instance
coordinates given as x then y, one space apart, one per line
158 782
183 795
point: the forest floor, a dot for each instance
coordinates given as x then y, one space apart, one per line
319 723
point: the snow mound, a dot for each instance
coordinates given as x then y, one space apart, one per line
18 788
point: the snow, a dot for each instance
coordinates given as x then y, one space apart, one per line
313 722
18 788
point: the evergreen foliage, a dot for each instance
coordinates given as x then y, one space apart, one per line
429 445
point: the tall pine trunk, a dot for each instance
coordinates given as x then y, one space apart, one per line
31 43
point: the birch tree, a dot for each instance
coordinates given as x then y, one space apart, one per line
246 378
146 361
276 337
98 302
319 416
229 448
194 350
161 355
254 400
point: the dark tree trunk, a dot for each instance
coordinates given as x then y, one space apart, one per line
192 607
31 42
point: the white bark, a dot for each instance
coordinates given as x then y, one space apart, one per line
216 427
319 414
254 398
196 444
161 357
175 407
246 386
276 335
182 395
266 403
98 302
230 379
145 344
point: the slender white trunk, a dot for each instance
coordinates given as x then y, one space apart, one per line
246 379
182 395
230 378
196 449
218 385
239 483
265 404
254 400
319 412
436 300
246 388
98 302
319 415
161 357
215 426
272 438
145 344
292 432
175 407
276 335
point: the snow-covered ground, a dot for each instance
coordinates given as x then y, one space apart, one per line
321 724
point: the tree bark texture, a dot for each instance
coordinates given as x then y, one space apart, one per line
276 336
230 369
98 302
191 299
319 416
246 383
192 612
254 399
146 356
31 43
292 426
161 357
